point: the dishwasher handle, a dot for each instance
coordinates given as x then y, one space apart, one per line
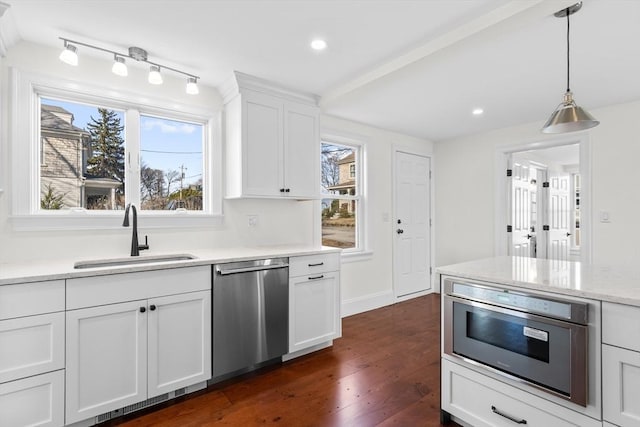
226 271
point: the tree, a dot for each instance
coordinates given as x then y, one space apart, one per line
330 156
107 147
51 199
151 183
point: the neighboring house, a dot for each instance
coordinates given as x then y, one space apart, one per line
346 181
64 151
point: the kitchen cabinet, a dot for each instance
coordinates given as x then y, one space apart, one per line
272 142
122 352
621 364
32 354
314 300
484 402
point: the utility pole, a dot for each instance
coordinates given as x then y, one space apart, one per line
182 169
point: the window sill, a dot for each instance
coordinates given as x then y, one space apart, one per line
348 257
84 220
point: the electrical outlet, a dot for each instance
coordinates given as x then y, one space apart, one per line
252 221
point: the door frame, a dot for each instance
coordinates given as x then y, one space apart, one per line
429 155
502 207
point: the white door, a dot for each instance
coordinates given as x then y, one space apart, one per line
412 232
106 359
522 189
179 341
559 217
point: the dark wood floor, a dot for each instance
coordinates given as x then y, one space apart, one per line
384 371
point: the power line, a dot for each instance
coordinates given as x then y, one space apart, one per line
172 152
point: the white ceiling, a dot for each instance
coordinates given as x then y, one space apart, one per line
414 66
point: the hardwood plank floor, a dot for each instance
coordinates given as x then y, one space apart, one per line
384 371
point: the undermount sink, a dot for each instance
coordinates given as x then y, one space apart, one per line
115 262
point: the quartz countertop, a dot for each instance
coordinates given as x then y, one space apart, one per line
613 284
35 271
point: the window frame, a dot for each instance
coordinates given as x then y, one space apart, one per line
26 90
362 232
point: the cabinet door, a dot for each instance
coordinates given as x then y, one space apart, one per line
262 127
33 401
620 386
31 345
314 310
179 341
106 359
301 151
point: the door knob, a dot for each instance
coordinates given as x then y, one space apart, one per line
399 231
529 236
568 234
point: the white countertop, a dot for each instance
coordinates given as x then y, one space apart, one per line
614 284
14 273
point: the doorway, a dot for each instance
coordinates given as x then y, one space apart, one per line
412 257
544 210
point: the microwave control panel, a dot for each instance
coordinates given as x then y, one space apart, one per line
506 298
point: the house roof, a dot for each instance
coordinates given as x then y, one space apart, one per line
349 159
343 185
52 122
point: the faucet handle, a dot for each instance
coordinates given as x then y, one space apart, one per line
146 244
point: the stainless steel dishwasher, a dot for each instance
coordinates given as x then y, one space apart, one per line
250 315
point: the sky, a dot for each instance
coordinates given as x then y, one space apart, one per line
165 144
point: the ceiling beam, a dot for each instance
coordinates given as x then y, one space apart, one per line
515 10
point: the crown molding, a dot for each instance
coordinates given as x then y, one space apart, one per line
9 35
230 88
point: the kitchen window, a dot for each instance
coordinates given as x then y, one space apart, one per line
342 204
103 152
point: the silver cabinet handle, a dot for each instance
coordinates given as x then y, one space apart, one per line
509 417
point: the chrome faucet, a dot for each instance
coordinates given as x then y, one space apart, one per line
135 246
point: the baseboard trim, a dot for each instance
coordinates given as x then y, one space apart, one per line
367 302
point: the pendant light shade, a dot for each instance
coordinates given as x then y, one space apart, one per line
569 117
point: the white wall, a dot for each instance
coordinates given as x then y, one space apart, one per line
366 283
465 188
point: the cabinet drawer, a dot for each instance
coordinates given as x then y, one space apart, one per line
621 325
313 264
33 401
31 345
20 300
115 288
485 402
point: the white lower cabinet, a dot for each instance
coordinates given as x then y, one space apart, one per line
119 354
621 386
314 300
484 402
33 401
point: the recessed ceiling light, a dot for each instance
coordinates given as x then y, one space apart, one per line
477 111
318 44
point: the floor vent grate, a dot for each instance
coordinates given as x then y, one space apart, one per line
132 408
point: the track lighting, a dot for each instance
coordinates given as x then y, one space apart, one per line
119 67
155 78
69 56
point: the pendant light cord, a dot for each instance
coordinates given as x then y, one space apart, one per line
568 89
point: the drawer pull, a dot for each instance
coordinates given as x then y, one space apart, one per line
509 417
316 265
317 277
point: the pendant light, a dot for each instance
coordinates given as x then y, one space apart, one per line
569 117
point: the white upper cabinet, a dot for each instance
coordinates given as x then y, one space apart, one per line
272 141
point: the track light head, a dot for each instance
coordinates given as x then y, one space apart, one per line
119 67
69 55
155 78
192 86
